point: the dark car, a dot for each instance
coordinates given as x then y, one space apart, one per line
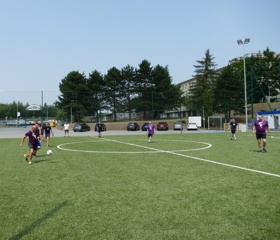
103 127
145 126
81 127
162 126
133 127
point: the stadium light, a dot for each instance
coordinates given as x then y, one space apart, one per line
240 42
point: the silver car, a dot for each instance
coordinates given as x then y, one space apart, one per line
191 126
178 126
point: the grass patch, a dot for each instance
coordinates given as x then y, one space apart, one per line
122 187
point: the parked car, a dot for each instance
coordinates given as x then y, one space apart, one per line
133 126
81 127
103 127
191 126
145 126
162 126
11 123
178 126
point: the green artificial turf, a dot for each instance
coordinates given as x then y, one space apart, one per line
179 186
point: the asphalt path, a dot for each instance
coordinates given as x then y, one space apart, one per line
18 132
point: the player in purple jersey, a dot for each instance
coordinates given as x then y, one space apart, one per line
151 131
260 126
33 136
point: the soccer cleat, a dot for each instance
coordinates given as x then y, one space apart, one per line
25 155
264 150
260 151
29 162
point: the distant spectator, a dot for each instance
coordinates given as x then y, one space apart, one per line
66 129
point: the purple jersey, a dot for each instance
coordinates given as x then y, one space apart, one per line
261 126
32 137
151 128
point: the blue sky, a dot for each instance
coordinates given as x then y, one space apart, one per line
42 41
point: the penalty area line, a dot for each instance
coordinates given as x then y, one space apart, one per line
200 159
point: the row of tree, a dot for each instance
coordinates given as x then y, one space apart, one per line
144 89
149 89
222 90
10 111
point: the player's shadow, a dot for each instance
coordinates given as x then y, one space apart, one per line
42 160
255 151
39 221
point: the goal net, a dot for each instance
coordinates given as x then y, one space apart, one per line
215 123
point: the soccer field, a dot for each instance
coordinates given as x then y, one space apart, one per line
179 186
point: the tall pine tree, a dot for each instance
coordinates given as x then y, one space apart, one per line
201 93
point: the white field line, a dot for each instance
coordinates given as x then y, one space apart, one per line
199 159
62 147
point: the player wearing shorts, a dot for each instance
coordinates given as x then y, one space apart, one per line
33 136
48 132
151 131
260 126
99 129
39 139
66 129
42 131
233 126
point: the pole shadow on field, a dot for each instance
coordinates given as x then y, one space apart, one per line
39 221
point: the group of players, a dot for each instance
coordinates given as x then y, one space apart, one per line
36 135
259 127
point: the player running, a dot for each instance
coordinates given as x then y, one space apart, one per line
233 125
260 126
99 128
48 132
151 131
33 136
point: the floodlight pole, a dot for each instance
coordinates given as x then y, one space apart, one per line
240 42
152 106
17 113
181 114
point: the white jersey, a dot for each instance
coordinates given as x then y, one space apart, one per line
66 126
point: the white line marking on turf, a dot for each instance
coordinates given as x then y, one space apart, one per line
200 159
153 150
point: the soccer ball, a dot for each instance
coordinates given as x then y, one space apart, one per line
49 152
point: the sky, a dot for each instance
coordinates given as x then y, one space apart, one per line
42 41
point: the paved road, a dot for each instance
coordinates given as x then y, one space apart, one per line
14 132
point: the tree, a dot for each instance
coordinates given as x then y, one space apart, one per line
265 74
128 75
144 87
114 91
166 96
95 85
74 95
229 89
201 93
